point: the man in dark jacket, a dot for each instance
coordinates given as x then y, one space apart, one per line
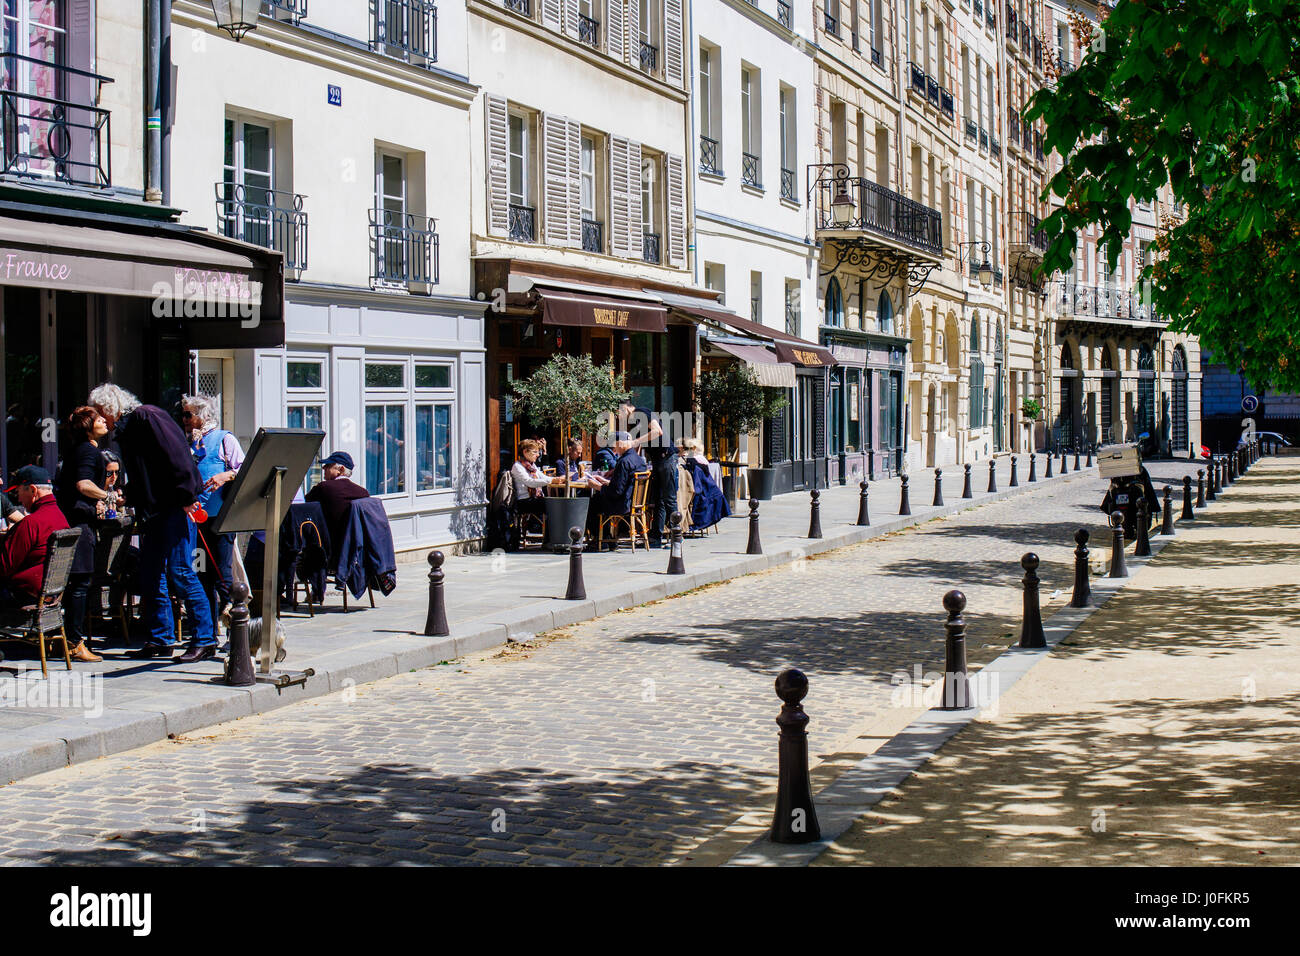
616 497
165 487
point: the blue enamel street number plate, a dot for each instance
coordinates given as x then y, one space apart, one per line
335 94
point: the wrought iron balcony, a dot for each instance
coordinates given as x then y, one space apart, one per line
791 319
877 57
1031 232
60 138
932 91
1013 27
917 76
1029 138
709 156
945 103
751 170
588 30
650 247
1024 37
984 138
1038 52
593 235
972 131
649 57
522 7
291 11
271 218
405 29
994 146
522 226
1105 302
990 17
870 207
784 14
788 185
832 24
979 9
1038 146
404 251
1013 127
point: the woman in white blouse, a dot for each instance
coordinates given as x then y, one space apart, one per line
530 498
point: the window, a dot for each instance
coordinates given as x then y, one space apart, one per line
788 124
834 314
756 296
37 29
710 99
432 376
385 441
592 210
651 17
303 374
306 403
651 211
751 137
792 308
976 377
885 313
523 223
715 279
390 206
433 437
307 416
248 182
409 425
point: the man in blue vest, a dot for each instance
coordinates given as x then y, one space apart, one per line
218 456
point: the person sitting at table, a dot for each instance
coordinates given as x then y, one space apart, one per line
572 463
693 448
9 510
336 491
708 503
530 483
112 472
80 493
615 498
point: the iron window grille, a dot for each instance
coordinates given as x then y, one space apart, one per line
917 76
522 7
788 185
593 235
522 226
945 103
291 11
271 218
649 57
971 130
63 138
588 30
877 57
709 156
784 14
405 29
994 146
984 138
404 251
751 170
650 247
832 24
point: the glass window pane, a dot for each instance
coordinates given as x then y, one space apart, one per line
433 446
433 376
385 449
385 376
304 375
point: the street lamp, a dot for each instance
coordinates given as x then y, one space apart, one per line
985 270
236 17
842 204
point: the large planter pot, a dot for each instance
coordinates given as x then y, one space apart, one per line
561 515
762 483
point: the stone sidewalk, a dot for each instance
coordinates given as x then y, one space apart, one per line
1161 731
491 599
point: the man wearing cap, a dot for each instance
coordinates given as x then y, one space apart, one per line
22 554
336 492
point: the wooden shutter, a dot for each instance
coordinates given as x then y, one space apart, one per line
552 12
497 156
555 180
571 18
575 183
620 227
674 71
632 29
675 227
614 44
634 199
81 91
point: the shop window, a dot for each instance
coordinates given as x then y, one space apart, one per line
385 446
433 447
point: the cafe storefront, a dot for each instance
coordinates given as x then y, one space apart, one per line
91 298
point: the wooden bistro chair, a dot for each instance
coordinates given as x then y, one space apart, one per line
43 620
635 520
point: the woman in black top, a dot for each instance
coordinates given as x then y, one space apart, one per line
81 494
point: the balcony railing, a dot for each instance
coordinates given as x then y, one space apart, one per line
404 251
650 247
751 170
522 224
1038 52
997 277
928 87
791 319
1038 145
979 9
994 146
945 103
271 218
875 209
64 139
288 10
832 25
917 76
522 7
932 91
784 14
709 156
1106 302
1024 37
1029 138
972 131
593 235
406 29
649 57
788 185
877 57
1013 126
1032 230
990 17
1013 27
588 30
984 138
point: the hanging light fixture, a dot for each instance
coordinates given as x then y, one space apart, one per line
842 204
236 17
986 274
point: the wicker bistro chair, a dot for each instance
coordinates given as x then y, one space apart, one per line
43 620
635 520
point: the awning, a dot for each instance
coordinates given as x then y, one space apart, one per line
189 275
796 350
766 367
561 307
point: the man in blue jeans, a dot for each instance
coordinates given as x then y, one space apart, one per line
165 486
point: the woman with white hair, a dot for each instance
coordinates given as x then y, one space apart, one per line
165 487
218 456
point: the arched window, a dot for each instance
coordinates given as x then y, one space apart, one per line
1146 410
976 377
1067 356
1180 359
834 304
1146 359
885 313
1107 362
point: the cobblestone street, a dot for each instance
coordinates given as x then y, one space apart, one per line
634 738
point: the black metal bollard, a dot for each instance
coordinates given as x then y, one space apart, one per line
965 488
956 685
795 819
1031 630
904 506
1167 525
1210 493
239 662
577 589
815 515
938 488
993 475
864 513
1082 589
1013 483
1143 547
676 562
435 624
1048 472
1118 568
1188 514
1229 469
755 545
1065 465
1200 487
1076 456
1088 463
1033 467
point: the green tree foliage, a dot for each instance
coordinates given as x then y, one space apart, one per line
1203 95
731 400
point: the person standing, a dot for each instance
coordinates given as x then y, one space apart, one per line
647 438
165 488
218 456
81 495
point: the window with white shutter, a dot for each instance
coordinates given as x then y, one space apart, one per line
615 38
498 151
555 180
676 238
620 221
634 199
574 168
674 70
571 18
552 13
632 33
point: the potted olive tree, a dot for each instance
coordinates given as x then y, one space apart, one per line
732 401
573 395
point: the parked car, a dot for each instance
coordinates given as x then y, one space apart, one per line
1274 438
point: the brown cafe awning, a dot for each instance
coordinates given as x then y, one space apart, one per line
562 307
